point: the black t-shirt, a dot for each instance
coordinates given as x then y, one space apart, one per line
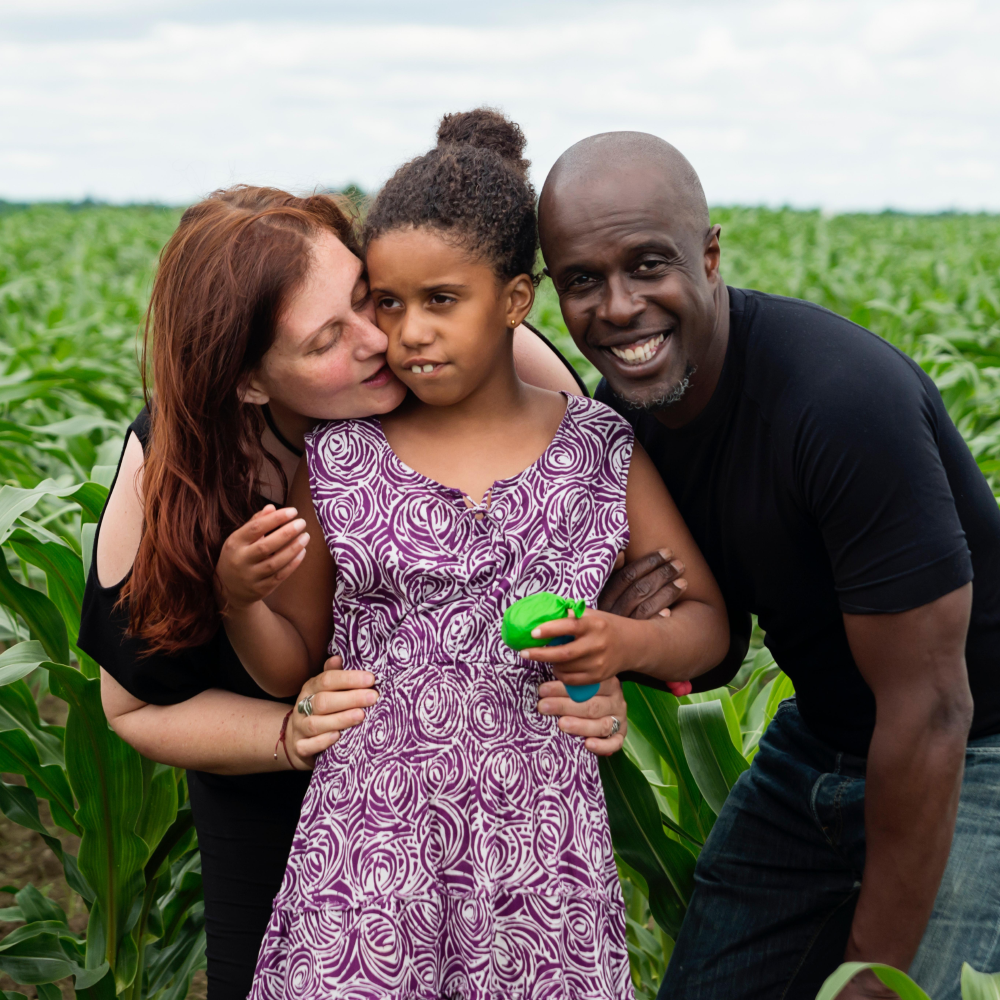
825 476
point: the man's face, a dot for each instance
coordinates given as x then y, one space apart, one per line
636 282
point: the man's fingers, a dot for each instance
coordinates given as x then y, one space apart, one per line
622 579
645 590
661 601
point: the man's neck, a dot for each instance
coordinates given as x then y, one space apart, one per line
705 378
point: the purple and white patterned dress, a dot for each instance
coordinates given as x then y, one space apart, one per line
456 844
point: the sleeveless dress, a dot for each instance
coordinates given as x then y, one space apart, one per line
456 843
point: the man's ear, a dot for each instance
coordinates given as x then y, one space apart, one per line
713 252
252 392
520 299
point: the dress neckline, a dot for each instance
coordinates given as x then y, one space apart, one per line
454 491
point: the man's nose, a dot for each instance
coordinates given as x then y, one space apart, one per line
619 306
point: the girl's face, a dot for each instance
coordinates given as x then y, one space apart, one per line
327 361
448 319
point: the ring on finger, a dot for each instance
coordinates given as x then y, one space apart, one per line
305 707
615 726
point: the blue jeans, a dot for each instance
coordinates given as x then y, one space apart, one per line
778 879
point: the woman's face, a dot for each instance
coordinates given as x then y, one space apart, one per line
327 361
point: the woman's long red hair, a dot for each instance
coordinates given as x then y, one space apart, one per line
225 277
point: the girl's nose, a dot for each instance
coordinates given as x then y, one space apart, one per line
415 331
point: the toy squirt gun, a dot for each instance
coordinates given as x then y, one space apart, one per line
527 614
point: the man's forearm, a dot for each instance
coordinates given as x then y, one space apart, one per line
914 778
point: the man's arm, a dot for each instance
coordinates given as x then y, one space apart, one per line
914 662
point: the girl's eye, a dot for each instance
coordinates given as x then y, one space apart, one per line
388 302
440 299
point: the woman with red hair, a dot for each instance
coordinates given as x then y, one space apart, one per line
259 325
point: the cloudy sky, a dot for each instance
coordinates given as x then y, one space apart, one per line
841 104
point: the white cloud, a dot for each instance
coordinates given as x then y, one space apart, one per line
840 103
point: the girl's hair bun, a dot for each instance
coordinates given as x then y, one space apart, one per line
485 128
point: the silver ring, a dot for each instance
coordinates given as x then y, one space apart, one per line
615 726
305 706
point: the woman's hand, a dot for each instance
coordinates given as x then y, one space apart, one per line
594 719
259 556
339 700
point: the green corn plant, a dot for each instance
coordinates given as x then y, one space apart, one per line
975 985
664 791
72 291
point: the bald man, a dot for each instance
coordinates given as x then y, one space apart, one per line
833 497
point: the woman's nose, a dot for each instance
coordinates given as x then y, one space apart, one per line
369 340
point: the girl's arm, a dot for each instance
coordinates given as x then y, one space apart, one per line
281 641
691 640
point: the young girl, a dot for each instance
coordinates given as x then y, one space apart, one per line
456 843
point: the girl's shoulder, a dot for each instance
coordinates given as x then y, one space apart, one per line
342 451
595 417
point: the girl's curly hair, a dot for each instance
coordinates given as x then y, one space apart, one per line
473 184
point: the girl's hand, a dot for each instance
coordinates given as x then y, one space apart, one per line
602 648
593 719
260 555
339 700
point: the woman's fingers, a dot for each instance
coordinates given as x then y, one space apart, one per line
262 523
315 725
337 679
277 562
306 749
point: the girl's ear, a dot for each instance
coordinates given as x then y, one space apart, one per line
520 294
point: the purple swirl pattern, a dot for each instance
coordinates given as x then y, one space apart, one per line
456 844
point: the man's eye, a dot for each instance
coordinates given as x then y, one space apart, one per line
645 266
579 280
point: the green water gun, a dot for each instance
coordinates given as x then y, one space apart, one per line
527 614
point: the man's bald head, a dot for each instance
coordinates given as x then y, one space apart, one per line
630 249
620 157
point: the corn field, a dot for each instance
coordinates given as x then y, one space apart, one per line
73 284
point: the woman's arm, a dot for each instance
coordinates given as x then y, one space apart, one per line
227 733
691 640
537 364
283 640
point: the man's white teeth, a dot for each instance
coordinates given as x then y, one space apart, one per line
417 369
639 355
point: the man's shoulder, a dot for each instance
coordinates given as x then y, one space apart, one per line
800 355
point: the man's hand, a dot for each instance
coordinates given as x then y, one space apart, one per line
914 662
646 587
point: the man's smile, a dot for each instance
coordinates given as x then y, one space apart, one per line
640 351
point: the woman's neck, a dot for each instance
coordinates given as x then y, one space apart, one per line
291 426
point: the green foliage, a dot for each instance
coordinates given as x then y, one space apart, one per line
975 985
73 287
72 292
